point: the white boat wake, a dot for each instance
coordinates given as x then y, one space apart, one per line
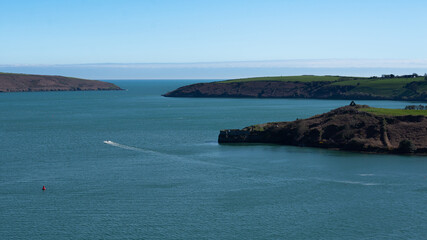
114 144
348 182
129 147
366 174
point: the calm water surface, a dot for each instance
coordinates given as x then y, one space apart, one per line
164 176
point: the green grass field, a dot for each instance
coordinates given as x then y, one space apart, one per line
304 78
393 112
380 87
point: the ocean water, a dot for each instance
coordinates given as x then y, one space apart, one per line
163 175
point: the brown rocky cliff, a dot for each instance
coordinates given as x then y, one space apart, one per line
344 128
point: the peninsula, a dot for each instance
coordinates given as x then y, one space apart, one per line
12 82
354 128
386 87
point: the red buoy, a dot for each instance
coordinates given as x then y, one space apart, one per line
44 188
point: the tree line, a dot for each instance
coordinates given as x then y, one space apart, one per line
387 76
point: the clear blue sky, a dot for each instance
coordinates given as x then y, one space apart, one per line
162 31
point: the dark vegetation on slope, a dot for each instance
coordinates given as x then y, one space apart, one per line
387 87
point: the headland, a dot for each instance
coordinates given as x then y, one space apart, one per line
354 128
387 87
12 82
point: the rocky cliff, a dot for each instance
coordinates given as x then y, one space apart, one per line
10 82
346 128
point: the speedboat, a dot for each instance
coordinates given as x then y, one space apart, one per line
108 142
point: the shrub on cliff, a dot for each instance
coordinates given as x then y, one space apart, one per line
406 146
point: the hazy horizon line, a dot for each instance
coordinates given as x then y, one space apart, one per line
297 63
226 69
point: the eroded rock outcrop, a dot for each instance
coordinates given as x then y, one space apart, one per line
346 128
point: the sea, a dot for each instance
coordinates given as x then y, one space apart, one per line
135 165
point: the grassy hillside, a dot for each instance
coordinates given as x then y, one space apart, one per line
394 112
304 78
405 88
380 86
387 87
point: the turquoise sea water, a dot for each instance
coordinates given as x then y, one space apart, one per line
164 176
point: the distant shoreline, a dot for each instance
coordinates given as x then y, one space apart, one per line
12 82
387 87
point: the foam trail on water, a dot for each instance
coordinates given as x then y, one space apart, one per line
114 144
128 147
358 183
349 182
366 174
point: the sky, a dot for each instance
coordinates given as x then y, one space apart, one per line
66 34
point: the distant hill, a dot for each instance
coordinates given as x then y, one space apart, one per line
12 82
389 87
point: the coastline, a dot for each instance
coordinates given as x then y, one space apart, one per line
348 128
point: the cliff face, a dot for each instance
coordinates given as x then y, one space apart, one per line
355 88
10 82
261 89
344 128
